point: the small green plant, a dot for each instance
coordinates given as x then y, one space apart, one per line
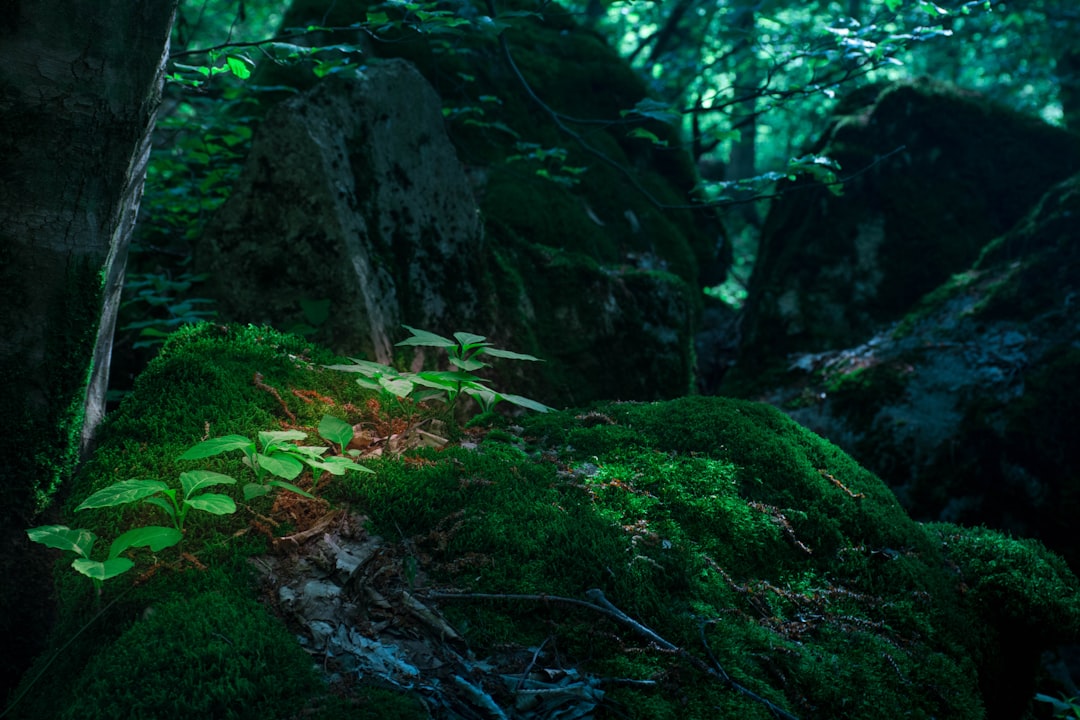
157 493
154 492
81 542
1064 707
276 455
448 385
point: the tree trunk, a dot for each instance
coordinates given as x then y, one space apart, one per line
80 82
742 163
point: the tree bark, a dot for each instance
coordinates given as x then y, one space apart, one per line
80 82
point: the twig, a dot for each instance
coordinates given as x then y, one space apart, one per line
602 605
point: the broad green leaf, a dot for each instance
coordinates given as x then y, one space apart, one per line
336 430
62 537
290 487
371 369
509 355
400 387
448 378
196 480
338 465
893 5
369 384
213 503
467 364
527 403
276 437
103 570
254 490
304 452
466 339
218 445
122 493
154 537
239 67
426 339
281 464
164 505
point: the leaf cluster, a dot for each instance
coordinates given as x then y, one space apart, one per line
464 352
274 455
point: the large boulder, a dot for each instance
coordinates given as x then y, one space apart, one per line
355 213
353 198
938 173
690 559
967 408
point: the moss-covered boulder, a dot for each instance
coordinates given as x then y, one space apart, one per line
549 220
937 173
967 407
696 558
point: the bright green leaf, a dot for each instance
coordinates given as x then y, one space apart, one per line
336 430
273 437
509 355
426 339
103 570
239 67
280 464
196 480
468 365
122 493
218 445
154 537
62 537
526 403
213 503
400 387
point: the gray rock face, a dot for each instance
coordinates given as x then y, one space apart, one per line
968 407
352 195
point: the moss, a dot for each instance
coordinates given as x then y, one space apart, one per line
708 520
208 656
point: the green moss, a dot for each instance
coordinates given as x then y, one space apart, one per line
208 656
719 524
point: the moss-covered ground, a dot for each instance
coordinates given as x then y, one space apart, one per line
769 562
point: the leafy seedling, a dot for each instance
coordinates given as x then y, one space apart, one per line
464 352
81 542
277 455
157 493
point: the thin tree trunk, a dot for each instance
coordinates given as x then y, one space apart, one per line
80 82
742 162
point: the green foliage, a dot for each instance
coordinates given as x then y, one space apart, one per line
164 304
447 385
1064 707
277 455
81 542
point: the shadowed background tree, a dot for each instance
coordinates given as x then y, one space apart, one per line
80 83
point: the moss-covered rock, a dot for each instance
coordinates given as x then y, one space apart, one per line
938 173
550 214
680 559
966 407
